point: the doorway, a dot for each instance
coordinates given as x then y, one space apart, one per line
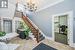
62 28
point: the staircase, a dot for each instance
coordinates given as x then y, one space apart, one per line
37 34
34 30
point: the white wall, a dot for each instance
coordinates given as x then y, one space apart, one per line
8 12
43 19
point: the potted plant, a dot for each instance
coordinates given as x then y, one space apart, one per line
2 33
27 33
25 28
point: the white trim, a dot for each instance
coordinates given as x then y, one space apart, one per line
74 45
7 18
70 24
50 5
49 38
1 24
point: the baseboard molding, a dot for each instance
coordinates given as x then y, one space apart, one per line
74 45
49 38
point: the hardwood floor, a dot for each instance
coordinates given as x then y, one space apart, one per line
30 44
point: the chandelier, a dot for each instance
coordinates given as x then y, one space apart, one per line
30 6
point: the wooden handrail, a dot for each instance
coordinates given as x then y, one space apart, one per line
33 29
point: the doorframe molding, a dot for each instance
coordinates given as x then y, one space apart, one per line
70 24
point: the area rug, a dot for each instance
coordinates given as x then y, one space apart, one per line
43 46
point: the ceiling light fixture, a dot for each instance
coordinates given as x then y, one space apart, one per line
31 6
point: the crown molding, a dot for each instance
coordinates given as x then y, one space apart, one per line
50 5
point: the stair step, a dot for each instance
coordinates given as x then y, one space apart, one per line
33 28
41 38
40 35
35 34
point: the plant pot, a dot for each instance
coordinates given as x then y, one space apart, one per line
27 38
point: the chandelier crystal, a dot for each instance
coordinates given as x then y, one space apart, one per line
30 6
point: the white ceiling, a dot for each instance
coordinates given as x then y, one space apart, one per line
45 3
40 3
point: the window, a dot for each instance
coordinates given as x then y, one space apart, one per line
7 26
